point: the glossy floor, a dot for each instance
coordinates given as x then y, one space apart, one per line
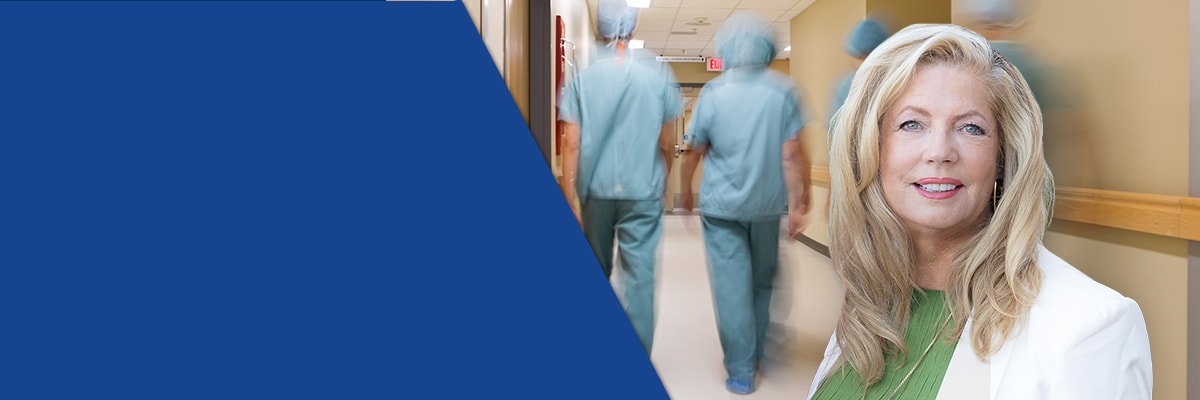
687 353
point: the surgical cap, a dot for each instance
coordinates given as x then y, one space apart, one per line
615 19
997 12
745 39
866 36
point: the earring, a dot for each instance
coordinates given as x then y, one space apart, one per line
997 188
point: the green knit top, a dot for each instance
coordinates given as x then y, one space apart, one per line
929 312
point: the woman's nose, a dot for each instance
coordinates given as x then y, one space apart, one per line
940 147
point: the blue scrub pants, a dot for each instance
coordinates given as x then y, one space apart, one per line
637 225
742 261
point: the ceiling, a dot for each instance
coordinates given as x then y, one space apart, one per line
666 30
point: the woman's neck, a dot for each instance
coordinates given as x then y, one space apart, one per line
933 256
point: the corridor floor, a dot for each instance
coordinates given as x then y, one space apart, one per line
687 353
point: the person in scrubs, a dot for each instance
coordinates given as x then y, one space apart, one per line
868 34
746 127
1000 22
618 114
1070 147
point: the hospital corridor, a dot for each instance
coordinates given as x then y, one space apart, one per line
1118 134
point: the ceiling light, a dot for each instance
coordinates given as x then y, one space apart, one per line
637 44
638 3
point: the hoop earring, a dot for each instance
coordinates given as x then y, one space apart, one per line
997 190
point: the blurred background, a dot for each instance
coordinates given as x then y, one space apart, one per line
1113 80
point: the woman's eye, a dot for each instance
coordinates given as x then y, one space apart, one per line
973 129
910 125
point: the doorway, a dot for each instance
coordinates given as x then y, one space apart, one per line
675 195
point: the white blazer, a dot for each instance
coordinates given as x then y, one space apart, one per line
1082 340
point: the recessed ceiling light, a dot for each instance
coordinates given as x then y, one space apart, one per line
637 44
638 3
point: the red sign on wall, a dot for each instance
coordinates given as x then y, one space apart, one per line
714 64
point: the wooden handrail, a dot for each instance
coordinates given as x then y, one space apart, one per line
820 174
1170 216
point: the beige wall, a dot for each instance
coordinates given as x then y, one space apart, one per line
819 63
516 53
897 14
783 65
1124 69
692 72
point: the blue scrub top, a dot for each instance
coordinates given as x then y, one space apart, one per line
744 116
620 104
1033 71
839 97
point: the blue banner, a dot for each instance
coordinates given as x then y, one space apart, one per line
333 200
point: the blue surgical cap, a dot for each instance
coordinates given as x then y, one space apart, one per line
745 39
615 19
999 12
866 37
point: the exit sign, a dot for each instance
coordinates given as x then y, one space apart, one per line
714 64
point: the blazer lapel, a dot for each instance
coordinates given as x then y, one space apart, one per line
967 377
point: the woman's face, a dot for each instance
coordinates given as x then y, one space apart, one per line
939 149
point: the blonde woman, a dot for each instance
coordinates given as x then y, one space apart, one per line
940 199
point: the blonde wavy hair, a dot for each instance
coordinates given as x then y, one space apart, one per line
995 278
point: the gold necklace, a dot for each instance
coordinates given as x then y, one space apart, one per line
917 364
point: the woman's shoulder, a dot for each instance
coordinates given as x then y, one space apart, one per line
1066 347
1063 285
1068 297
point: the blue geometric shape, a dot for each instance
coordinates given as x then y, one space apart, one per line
285 200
